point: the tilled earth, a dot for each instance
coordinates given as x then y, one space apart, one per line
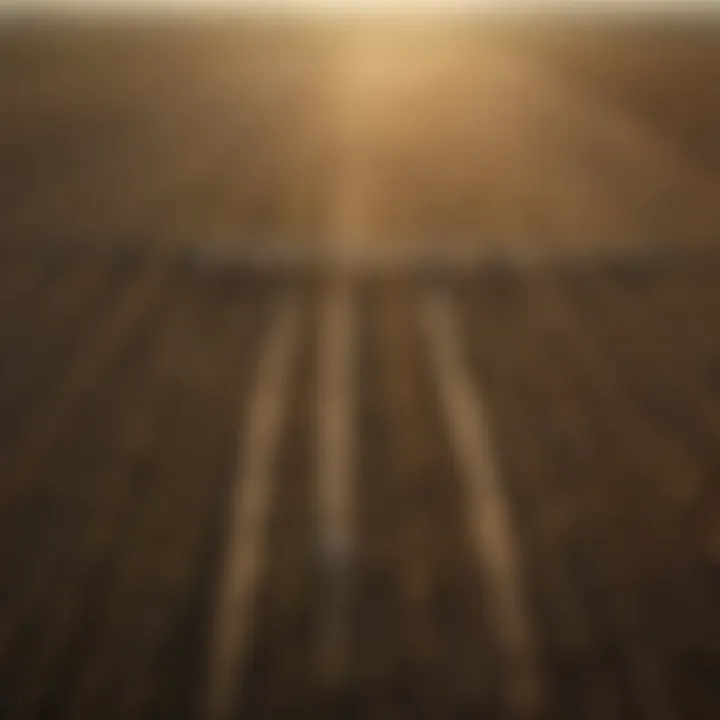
123 386
166 191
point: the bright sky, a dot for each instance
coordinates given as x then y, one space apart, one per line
113 5
340 3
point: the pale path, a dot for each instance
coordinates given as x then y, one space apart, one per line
335 474
335 421
491 528
248 509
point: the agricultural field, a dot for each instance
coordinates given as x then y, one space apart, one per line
359 368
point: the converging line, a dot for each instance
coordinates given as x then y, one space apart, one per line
490 519
336 458
249 502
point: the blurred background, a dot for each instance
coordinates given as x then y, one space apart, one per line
359 360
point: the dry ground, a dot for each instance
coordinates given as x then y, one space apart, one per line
142 166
